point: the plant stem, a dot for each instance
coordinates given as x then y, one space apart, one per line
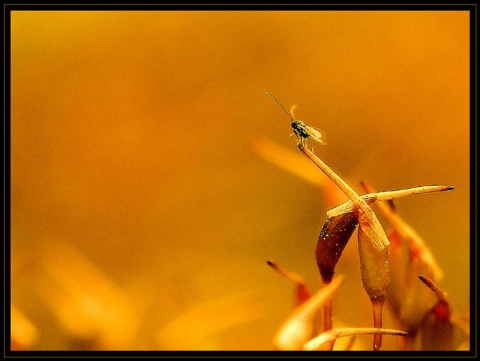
327 318
366 217
377 304
387 195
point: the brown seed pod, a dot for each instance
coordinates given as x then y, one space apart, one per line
375 272
333 238
374 267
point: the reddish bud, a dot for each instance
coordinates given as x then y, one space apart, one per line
333 238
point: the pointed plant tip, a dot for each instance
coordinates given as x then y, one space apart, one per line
271 263
446 188
427 281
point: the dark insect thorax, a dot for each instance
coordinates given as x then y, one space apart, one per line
299 129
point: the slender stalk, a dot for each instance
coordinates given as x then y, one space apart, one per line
320 341
327 318
366 217
377 322
385 196
344 187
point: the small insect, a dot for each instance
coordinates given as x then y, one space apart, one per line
300 129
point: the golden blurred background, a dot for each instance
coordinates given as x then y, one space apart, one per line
142 215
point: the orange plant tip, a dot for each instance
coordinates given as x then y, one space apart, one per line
435 289
287 274
425 280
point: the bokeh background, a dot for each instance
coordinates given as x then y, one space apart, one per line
142 213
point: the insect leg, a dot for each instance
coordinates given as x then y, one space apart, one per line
296 135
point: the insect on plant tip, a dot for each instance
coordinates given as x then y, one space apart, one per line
301 130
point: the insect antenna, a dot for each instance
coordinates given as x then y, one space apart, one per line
285 110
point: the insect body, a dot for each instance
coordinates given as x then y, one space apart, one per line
300 129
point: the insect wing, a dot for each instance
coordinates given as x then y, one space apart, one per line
316 134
